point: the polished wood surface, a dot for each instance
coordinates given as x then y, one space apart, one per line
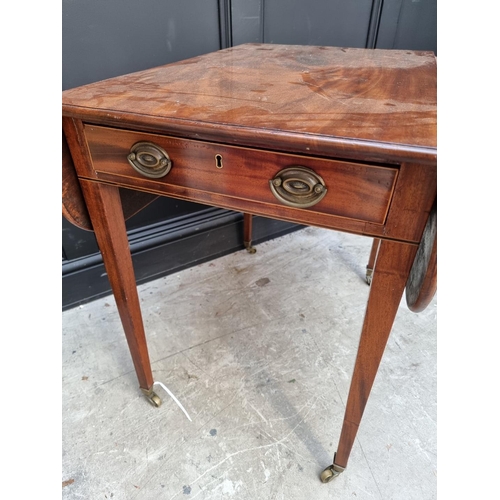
351 102
357 191
363 120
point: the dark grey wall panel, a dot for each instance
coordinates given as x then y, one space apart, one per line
317 22
408 24
106 38
247 21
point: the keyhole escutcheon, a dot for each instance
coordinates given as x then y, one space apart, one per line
218 161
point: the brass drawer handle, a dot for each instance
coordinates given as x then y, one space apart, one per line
298 187
149 160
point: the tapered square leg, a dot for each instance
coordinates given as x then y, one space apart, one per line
391 272
104 206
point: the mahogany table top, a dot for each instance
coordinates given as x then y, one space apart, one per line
377 103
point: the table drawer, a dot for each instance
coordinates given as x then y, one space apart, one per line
352 190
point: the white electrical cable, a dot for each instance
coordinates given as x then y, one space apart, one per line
167 390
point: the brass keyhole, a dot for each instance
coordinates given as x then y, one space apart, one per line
218 161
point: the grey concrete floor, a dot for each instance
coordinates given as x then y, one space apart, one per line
259 349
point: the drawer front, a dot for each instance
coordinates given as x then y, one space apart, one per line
207 170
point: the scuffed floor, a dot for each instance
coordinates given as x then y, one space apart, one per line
259 349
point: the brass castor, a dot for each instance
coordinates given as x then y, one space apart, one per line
155 400
331 472
152 397
250 248
327 475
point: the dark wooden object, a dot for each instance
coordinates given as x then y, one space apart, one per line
422 282
357 128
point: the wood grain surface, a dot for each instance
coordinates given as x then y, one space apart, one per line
370 103
355 191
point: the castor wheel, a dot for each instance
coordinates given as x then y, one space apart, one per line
331 472
249 247
327 475
152 397
155 400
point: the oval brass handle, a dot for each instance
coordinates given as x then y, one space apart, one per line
149 160
298 187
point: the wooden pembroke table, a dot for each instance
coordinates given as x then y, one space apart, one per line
338 138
